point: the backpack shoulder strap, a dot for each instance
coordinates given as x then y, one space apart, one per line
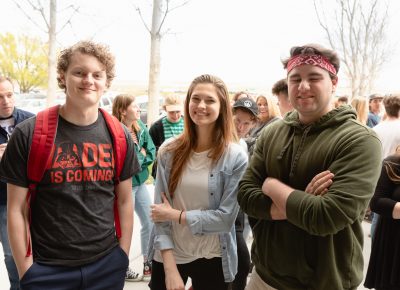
40 151
120 148
43 138
119 142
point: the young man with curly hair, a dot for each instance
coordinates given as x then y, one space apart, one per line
72 215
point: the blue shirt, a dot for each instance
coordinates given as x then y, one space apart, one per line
223 183
373 120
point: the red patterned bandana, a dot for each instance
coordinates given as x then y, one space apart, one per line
313 59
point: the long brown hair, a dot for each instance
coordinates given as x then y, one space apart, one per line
222 135
120 104
393 167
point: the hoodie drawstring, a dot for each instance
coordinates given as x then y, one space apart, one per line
299 151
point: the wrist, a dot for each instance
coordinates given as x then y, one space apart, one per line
396 211
180 217
175 215
268 185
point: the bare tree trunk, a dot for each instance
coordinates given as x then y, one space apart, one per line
52 77
155 62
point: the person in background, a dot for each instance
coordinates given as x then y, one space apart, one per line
361 107
128 112
268 112
245 114
375 110
341 101
10 116
280 90
388 132
307 223
73 231
195 195
239 95
169 126
384 263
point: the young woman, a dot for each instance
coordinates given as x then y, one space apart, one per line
361 107
127 112
195 194
384 263
268 112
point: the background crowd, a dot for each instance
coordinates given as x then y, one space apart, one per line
298 169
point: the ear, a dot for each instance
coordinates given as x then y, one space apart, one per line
334 83
122 112
62 78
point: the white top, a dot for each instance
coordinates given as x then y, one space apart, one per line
192 193
388 132
244 145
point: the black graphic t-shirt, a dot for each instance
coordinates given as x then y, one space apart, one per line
72 213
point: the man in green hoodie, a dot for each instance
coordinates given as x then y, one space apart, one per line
310 237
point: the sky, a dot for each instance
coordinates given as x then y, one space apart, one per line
241 41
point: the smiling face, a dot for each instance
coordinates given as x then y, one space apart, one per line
132 113
85 80
204 105
6 99
310 92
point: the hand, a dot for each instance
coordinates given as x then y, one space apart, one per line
162 212
143 151
2 149
24 267
319 185
173 281
276 213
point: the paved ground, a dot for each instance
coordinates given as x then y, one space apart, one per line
136 260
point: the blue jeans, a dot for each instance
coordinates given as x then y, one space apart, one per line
8 258
106 273
141 198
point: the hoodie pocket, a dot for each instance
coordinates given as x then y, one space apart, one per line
290 252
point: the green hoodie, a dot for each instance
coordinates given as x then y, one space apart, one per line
145 142
319 246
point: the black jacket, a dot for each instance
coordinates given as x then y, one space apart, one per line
19 116
157 135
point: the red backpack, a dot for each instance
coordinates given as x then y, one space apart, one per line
41 152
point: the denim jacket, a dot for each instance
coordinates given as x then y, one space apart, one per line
223 183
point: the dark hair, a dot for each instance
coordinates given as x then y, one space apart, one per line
343 99
280 87
236 96
99 51
312 48
392 105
